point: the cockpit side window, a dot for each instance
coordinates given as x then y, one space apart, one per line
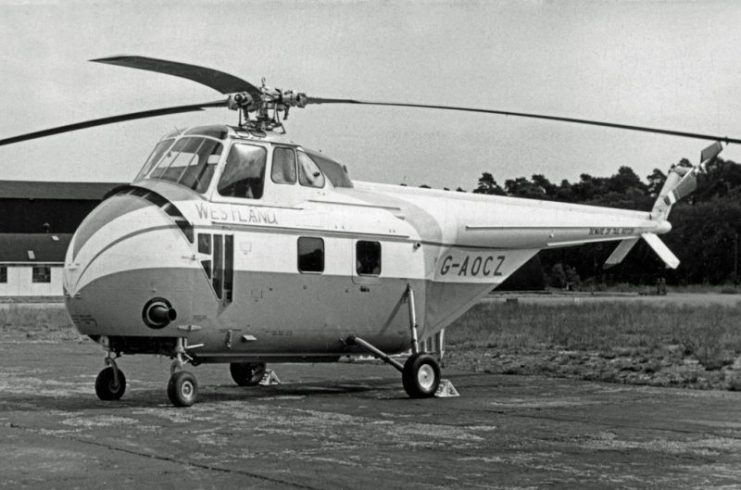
244 172
284 166
190 162
309 174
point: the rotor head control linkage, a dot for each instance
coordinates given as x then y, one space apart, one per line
240 100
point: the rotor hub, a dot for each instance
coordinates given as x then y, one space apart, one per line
267 113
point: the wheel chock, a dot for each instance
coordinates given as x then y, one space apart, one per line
446 389
269 378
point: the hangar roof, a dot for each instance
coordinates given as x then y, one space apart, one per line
22 189
33 247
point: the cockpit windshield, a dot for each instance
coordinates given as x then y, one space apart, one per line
154 157
190 162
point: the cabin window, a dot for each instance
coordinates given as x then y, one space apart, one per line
41 273
244 172
309 174
228 268
310 254
204 247
217 253
3 274
284 166
368 256
190 162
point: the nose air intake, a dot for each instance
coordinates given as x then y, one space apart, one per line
158 313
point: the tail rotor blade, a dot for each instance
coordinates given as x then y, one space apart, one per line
686 186
709 153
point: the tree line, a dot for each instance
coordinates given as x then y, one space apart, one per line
705 234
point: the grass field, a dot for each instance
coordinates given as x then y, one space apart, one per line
36 322
694 346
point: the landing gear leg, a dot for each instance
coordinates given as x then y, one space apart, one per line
420 374
111 382
182 389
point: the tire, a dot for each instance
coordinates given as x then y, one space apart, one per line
106 387
421 376
247 373
182 390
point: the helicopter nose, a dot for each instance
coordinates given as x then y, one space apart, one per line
129 269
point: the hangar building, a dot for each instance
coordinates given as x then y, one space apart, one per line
36 225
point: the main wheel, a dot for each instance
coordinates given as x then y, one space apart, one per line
182 390
421 376
106 386
247 373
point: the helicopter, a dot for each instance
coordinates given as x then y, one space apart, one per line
235 245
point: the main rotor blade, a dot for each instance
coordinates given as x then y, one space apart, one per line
646 129
110 120
217 80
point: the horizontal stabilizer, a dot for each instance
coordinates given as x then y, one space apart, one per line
620 252
661 250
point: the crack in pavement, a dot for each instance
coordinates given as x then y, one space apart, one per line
168 459
604 424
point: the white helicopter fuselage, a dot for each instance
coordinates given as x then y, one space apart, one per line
292 274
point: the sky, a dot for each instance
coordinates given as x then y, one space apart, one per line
668 64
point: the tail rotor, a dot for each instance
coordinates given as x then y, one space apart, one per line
682 181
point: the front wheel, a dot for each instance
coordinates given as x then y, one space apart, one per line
421 376
182 390
107 387
246 373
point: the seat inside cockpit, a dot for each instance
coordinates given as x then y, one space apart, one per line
244 172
